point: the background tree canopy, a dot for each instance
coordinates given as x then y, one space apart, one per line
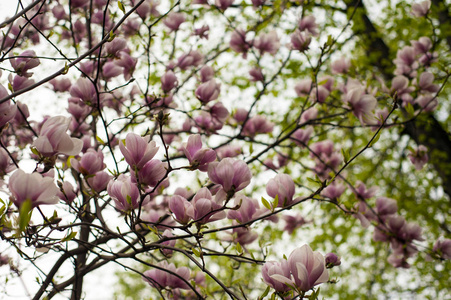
219 149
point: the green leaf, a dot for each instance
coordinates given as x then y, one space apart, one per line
69 237
121 6
266 204
25 214
265 293
239 249
195 251
375 139
275 202
409 109
346 155
100 140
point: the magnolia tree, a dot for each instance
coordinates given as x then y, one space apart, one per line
226 149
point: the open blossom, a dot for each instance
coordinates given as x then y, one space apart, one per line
197 156
443 248
341 66
246 209
308 23
85 90
272 268
174 20
53 138
300 40
203 208
124 193
421 9
256 125
34 187
419 157
231 174
137 150
267 42
90 163
151 173
7 110
282 186
161 278
208 91
238 42
6 164
25 62
307 269
361 104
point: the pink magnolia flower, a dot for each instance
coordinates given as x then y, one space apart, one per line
6 164
267 42
293 222
179 206
232 174
19 82
257 125
174 20
361 104
68 192
427 102
26 61
167 275
204 208
419 157
332 260
300 40
426 83
421 9
219 112
7 110
137 150
386 206
273 268
116 45
303 87
238 42
334 190
202 32
148 7
170 243
61 85
192 58
111 70
206 73
34 187
99 181
422 46
53 138
364 193
341 66
308 269
127 63
246 209
151 173
443 248
282 186
85 90
198 157
229 151
223 4
208 91
256 74
124 193
308 24
90 163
